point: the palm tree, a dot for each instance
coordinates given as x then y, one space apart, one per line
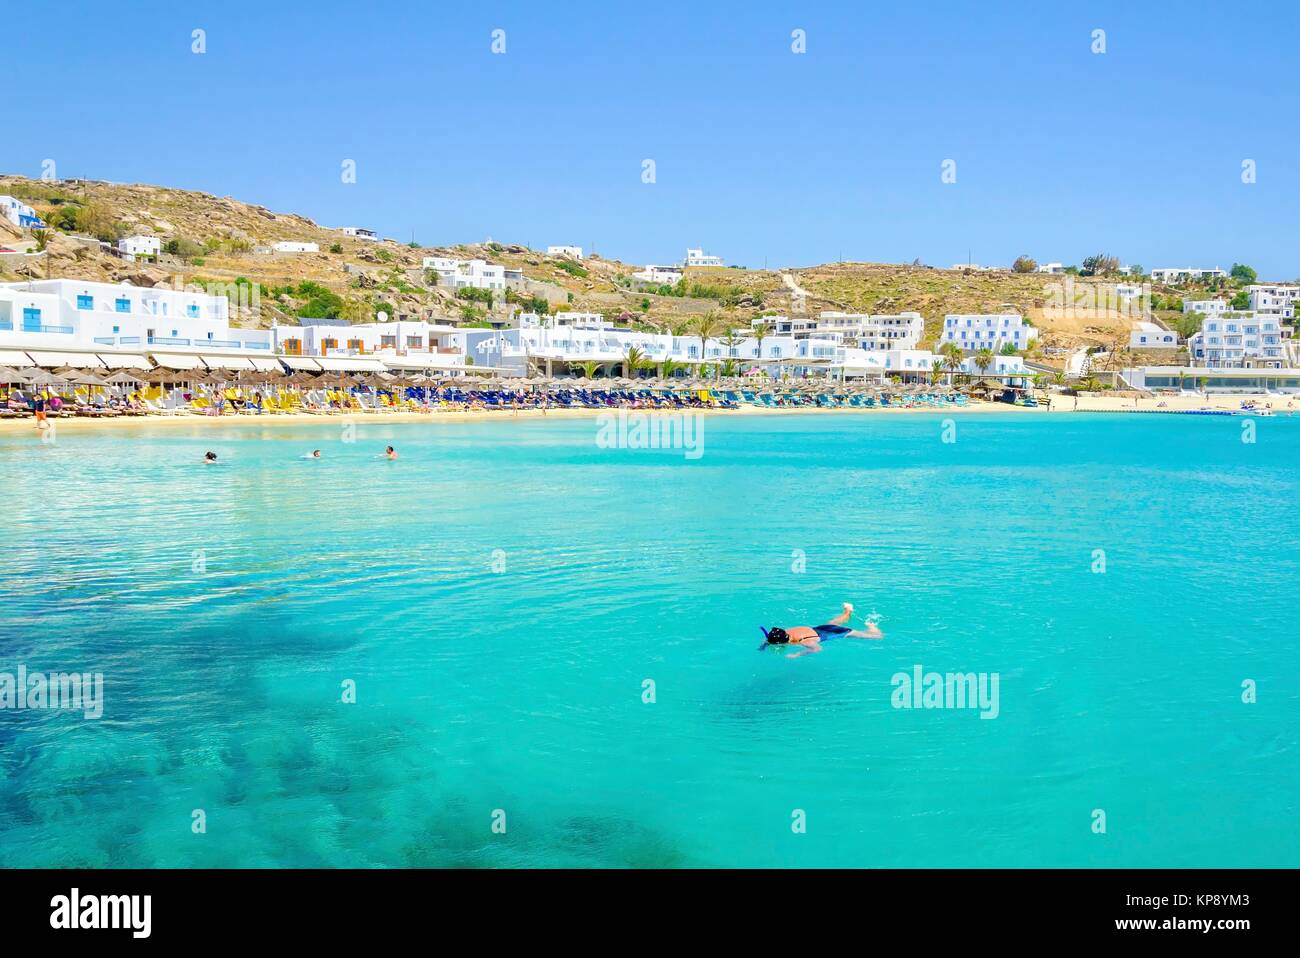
937 367
733 339
952 356
705 326
1058 378
760 331
633 360
589 368
984 359
668 367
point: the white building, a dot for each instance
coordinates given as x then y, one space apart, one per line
132 246
659 275
572 252
1180 274
1276 299
974 332
294 247
697 257
1284 380
1205 307
20 214
1242 340
470 273
1148 335
359 232
871 332
550 343
1055 269
67 322
422 344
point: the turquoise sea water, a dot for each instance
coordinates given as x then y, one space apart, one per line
226 605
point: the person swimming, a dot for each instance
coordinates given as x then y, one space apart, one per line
810 638
314 454
209 457
390 453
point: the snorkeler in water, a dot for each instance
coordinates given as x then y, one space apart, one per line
810 638
209 458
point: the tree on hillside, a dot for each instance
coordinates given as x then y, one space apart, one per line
1240 301
1024 264
97 220
1102 264
1243 274
1188 324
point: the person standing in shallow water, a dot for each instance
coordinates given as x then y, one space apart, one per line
390 453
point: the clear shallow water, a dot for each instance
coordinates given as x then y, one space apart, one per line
522 690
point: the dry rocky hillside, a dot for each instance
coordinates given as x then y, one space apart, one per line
222 239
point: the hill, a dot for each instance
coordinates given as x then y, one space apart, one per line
222 239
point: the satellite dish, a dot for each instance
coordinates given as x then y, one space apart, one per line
382 316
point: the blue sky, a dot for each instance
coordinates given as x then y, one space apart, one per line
762 155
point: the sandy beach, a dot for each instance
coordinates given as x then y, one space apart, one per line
1059 404
1281 405
86 423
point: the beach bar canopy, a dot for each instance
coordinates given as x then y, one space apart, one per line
126 361
350 364
178 360
15 359
56 360
228 362
301 363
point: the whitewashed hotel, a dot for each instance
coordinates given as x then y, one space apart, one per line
867 331
132 246
358 232
470 273
697 257
572 252
20 214
1205 307
103 325
1239 341
65 322
974 332
1180 274
295 247
554 344
659 275
1148 335
1277 299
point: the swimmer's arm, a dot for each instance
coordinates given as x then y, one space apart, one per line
808 649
